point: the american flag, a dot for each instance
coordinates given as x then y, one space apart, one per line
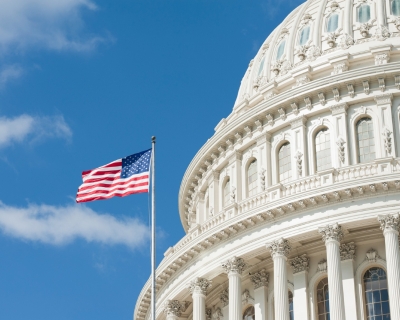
119 178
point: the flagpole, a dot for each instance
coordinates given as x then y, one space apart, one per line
153 230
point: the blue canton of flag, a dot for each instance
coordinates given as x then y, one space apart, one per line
136 163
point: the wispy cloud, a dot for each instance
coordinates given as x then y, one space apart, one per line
60 225
56 25
10 72
32 129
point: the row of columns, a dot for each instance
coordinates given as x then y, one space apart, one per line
341 307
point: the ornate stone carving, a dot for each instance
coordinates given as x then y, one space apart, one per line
382 58
200 285
300 263
247 298
382 33
259 82
208 313
282 113
270 119
341 150
299 163
339 68
313 52
217 314
295 108
366 85
260 279
350 89
345 41
224 297
262 179
322 266
390 222
302 80
175 307
307 100
347 251
336 94
364 28
371 255
280 247
332 232
301 52
234 265
387 140
321 97
331 38
396 21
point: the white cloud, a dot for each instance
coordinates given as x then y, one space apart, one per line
51 24
10 72
34 129
64 224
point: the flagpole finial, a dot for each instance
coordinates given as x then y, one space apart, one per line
153 139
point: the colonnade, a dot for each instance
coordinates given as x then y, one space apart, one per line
340 301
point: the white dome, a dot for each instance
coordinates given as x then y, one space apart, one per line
310 152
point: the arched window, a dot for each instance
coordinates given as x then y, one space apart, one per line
291 314
261 68
249 313
376 294
365 140
281 49
395 7
323 300
323 150
252 178
304 35
285 163
332 23
363 13
227 190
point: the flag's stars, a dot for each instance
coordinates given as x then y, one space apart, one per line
136 163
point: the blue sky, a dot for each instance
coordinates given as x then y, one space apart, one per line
85 82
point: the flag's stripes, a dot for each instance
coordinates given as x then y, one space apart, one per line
105 182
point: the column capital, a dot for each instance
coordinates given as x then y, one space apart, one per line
347 251
331 232
234 265
280 247
175 307
300 263
389 222
260 279
199 285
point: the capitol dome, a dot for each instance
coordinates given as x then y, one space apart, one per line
291 209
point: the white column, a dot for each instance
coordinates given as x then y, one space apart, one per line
300 265
198 287
347 254
279 251
390 226
331 235
260 281
174 308
234 268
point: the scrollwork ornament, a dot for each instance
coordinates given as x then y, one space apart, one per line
260 279
331 232
224 297
341 149
299 162
217 314
300 263
346 41
280 247
208 313
390 222
262 179
200 286
175 307
347 251
382 33
234 265
387 140
313 52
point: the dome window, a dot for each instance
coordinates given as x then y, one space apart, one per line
323 150
285 165
261 68
252 178
249 314
304 35
395 7
281 49
376 294
323 299
364 13
227 191
366 140
333 22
